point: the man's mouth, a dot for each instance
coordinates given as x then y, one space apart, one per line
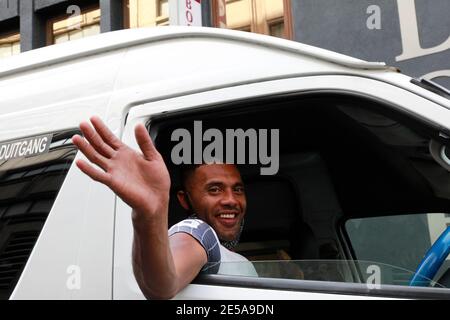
228 219
227 215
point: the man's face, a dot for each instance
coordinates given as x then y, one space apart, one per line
217 196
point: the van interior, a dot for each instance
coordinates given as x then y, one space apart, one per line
341 157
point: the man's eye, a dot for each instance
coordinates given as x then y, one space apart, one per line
239 189
214 189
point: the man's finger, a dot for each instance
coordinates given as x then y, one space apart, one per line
145 142
96 141
90 152
94 174
106 134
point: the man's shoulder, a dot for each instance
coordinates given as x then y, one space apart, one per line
205 235
219 257
191 225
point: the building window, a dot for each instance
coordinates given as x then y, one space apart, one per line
276 29
246 29
66 28
163 8
146 13
270 17
9 45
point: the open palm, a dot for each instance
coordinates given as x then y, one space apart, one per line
139 179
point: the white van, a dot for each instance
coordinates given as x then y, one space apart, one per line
361 193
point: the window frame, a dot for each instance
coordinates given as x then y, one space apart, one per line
274 22
159 20
50 36
323 287
286 18
126 14
394 291
205 101
14 37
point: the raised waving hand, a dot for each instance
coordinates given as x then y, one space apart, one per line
139 179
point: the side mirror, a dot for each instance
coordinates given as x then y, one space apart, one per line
440 153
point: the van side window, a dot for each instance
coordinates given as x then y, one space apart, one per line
28 188
406 239
340 158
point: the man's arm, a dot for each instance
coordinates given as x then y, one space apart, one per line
162 265
162 268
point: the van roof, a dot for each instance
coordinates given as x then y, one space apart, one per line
131 37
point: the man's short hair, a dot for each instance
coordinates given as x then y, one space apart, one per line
186 171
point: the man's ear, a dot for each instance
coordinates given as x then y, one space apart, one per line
182 198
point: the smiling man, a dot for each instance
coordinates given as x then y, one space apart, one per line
166 262
214 196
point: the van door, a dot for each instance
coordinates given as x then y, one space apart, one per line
270 286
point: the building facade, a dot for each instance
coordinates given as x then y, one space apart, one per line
31 24
413 35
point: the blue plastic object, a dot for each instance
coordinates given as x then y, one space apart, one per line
432 261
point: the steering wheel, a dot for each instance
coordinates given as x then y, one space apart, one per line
432 261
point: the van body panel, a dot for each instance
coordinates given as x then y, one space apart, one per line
113 41
64 116
72 258
58 84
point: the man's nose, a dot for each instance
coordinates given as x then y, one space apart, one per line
229 199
